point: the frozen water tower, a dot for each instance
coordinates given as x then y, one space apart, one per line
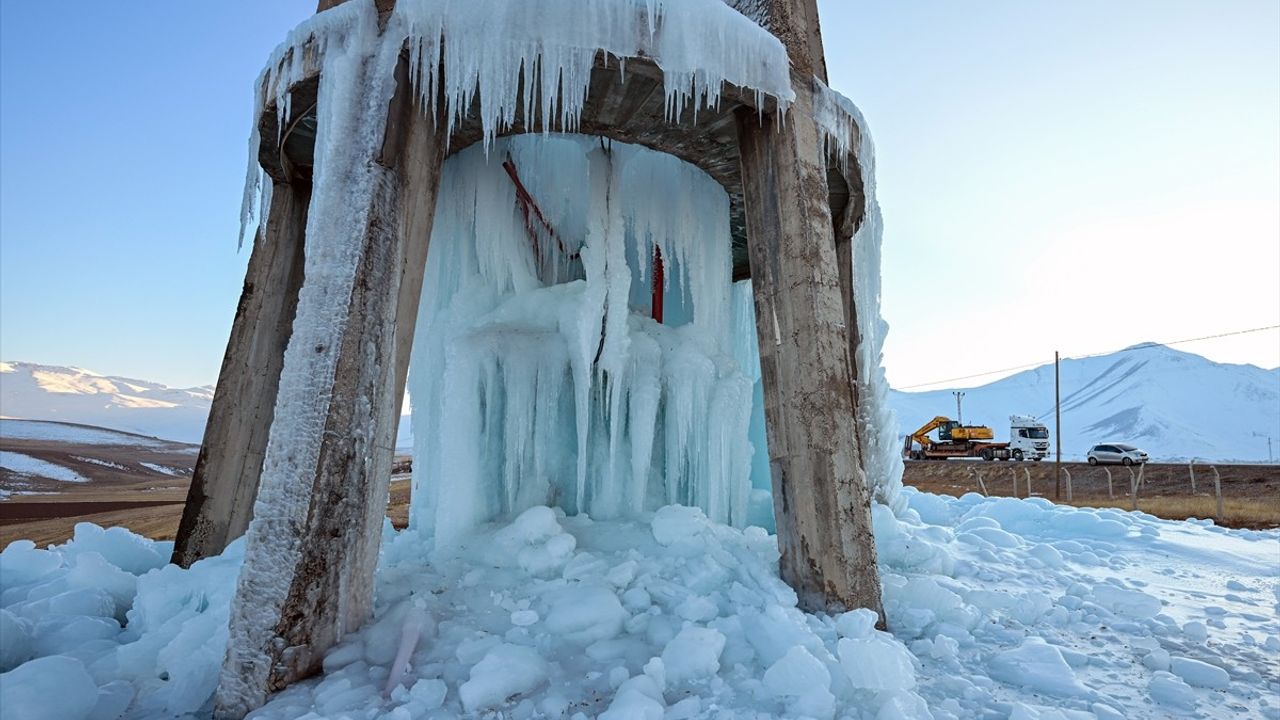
547 204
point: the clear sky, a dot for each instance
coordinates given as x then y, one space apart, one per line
1075 176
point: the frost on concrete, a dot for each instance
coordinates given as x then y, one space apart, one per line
351 111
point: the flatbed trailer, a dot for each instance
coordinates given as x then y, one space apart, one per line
969 449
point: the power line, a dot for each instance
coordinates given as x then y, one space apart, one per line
1147 345
1141 346
970 377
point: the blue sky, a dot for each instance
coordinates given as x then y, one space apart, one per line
123 136
1075 176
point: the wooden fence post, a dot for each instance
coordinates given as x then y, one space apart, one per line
1133 488
1217 489
1111 495
1028 475
1191 468
977 476
1068 474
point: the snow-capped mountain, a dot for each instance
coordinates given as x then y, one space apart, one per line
45 392
30 391
1173 404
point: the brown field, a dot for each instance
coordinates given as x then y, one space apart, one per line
49 519
1250 493
125 488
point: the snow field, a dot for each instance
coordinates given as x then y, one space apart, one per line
1061 614
35 467
68 433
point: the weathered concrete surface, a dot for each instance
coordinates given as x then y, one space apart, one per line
329 571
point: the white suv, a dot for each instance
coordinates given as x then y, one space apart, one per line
1116 453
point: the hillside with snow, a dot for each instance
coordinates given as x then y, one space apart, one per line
51 458
1173 404
30 391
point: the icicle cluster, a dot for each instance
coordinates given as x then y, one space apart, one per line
840 121
537 374
505 53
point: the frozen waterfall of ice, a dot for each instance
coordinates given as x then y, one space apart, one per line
538 375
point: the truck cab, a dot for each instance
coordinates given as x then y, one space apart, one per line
1028 438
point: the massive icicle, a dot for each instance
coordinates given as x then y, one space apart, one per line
540 55
538 376
840 121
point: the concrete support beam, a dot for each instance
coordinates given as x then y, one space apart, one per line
220 501
821 502
319 549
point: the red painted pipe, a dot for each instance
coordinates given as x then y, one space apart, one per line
658 281
533 217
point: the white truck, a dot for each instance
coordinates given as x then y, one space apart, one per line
1028 438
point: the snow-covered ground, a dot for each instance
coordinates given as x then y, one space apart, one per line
68 433
998 608
35 467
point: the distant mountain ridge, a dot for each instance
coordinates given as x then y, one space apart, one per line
31 391
1173 404
48 392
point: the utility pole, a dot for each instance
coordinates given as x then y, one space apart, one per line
1057 429
959 416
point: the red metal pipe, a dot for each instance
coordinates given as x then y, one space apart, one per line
531 212
659 279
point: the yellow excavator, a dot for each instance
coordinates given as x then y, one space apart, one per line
954 440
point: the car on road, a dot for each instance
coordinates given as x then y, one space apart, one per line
1116 453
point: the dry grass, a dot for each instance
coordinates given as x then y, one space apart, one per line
1250 493
159 522
1236 512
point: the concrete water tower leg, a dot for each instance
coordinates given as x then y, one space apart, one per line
309 567
821 502
225 482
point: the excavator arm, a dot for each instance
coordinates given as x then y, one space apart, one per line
922 435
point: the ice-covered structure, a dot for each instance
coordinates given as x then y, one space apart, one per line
525 172
540 375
